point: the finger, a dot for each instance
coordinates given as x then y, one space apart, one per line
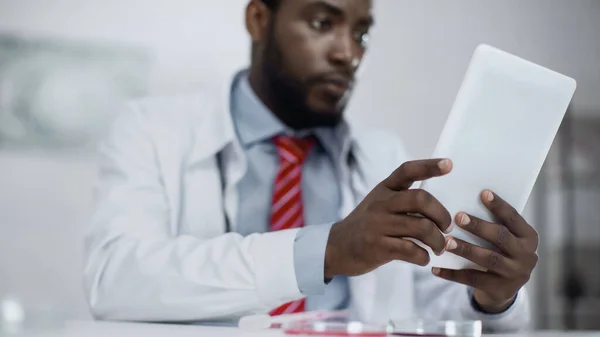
496 234
419 228
473 278
492 261
404 250
405 175
507 215
421 202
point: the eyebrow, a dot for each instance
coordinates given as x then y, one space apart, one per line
338 12
369 22
327 7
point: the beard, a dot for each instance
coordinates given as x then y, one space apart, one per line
289 96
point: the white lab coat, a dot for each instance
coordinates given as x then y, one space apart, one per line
157 248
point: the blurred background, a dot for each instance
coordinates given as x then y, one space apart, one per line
65 65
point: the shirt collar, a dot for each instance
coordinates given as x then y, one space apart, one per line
253 120
255 123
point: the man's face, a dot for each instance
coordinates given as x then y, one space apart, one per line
311 55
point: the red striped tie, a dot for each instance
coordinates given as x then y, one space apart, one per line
287 210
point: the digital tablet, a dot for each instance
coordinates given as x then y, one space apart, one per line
498 134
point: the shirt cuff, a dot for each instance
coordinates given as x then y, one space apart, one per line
477 308
309 259
516 318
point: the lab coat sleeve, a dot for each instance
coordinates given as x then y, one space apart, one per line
136 269
438 299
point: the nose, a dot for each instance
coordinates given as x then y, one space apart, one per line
345 52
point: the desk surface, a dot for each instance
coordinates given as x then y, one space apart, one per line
103 329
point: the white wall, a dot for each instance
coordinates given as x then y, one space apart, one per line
192 40
44 204
418 56
422 49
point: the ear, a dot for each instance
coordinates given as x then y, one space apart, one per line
257 20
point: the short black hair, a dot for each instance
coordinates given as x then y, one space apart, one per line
272 4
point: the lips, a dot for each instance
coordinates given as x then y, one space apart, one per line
337 86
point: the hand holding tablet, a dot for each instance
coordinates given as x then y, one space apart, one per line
497 135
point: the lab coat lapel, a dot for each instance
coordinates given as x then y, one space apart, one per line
216 149
363 288
377 297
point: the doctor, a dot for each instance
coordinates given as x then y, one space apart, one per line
259 197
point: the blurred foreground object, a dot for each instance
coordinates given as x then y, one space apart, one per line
12 315
17 320
437 328
63 93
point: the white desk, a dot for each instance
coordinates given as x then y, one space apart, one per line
104 329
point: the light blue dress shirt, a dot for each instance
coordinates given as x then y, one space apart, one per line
256 126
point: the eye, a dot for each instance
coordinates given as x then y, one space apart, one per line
321 25
362 38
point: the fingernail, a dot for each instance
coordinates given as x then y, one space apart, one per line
435 271
451 244
464 219
488 195
449 229
441 252
444 165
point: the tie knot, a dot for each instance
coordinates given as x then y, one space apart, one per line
293 150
